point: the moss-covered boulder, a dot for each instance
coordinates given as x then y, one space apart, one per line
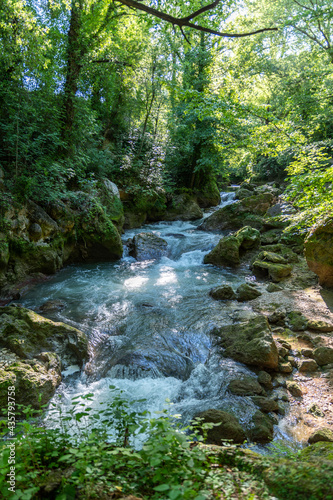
320 326
266 405
270 237
146 246
249 342
229 249
319 251
323 434
323 355
246 212
318 450
242 193
35 381
266 265
228 429
27 334
223 292
294 388
296 321
246 386
247 291
261 428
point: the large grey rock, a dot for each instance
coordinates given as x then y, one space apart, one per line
146 246
111 188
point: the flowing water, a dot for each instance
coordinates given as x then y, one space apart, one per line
149 324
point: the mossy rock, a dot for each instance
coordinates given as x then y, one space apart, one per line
183 206
247 291
323 355
262 428
296 321
300 480
325 434
270 237
27 334
246 386
228 429
242 193
4 253
277 272
318 450
249 342
319 251
224 292
228 250
266 405
35 383
285 252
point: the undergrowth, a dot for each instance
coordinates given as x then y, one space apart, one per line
113 452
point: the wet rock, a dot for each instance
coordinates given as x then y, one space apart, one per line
262 428
273 287
265 379
307 365
315 410
249 342
320 326
319 251
146 246
224 292
265 404
247 386
296 321
323 434
229 428
52 305
294 388
247 291
208 195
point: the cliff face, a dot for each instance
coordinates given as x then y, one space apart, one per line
85 226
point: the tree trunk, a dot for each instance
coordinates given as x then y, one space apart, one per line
75 53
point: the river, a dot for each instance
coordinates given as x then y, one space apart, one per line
149 325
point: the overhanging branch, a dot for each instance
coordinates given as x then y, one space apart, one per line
185 21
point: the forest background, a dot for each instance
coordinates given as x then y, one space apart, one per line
92 88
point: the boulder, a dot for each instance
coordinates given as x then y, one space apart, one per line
112 188
229 428
320 326
272 287
294 388
242 193
319 450
265 379
270 237
226 253
323 355
296 321
266 405
319 251
247 386
262 428
224 292
27 334
247 291
272 265
229 249
307 365
281 209
52 305
146 246
249 342
323 434
246 212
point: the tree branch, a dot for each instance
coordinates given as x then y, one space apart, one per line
185 20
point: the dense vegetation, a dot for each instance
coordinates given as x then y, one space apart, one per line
92 89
